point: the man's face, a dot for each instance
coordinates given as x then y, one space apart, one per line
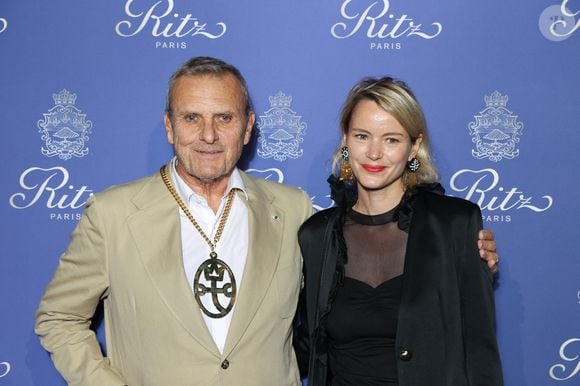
208 126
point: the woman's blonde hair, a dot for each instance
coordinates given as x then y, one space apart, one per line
396 98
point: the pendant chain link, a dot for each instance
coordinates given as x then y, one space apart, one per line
188 214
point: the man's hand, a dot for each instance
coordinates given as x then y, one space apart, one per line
487 249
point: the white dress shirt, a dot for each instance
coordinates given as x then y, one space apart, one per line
232 248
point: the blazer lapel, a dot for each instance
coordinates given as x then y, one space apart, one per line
156 230
265 238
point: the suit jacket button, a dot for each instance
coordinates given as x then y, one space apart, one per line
225 364
405 355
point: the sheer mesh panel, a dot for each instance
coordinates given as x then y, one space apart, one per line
375 247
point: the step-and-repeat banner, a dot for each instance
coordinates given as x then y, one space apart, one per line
82 93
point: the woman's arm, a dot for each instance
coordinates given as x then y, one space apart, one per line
482 359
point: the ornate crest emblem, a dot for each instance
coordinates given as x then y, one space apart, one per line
280 130
64 129
495 130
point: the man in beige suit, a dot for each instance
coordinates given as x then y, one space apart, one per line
198 266
129 250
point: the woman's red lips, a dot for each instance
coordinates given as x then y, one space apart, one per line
373 168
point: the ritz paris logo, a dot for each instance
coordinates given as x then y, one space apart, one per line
379 23
483 187
275 174
163 22
51 186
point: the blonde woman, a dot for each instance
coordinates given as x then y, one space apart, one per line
395 290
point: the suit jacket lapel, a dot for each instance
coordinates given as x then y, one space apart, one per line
156 230
265 240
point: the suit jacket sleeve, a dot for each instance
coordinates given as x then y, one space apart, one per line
64 316
301 340
478 311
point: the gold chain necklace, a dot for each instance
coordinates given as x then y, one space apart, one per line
212 269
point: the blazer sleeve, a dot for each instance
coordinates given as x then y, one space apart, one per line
301 341
478 311
301 338
64 316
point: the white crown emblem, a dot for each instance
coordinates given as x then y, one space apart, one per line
64 129
64 98
280 100
280 130
495 130
496 100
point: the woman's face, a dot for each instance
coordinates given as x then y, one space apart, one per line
379 148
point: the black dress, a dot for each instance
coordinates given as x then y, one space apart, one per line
446 322
362 323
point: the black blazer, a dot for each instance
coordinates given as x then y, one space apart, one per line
446 326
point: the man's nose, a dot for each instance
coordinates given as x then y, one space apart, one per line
209 133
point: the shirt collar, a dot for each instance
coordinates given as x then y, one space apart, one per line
186 193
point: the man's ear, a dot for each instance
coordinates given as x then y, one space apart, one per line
249 127
168 128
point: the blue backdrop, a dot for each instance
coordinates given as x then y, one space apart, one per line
82 92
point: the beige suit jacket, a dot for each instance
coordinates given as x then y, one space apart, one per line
126 251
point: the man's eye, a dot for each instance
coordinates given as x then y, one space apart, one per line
225 118
190 117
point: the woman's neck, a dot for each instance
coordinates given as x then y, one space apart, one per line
373 202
